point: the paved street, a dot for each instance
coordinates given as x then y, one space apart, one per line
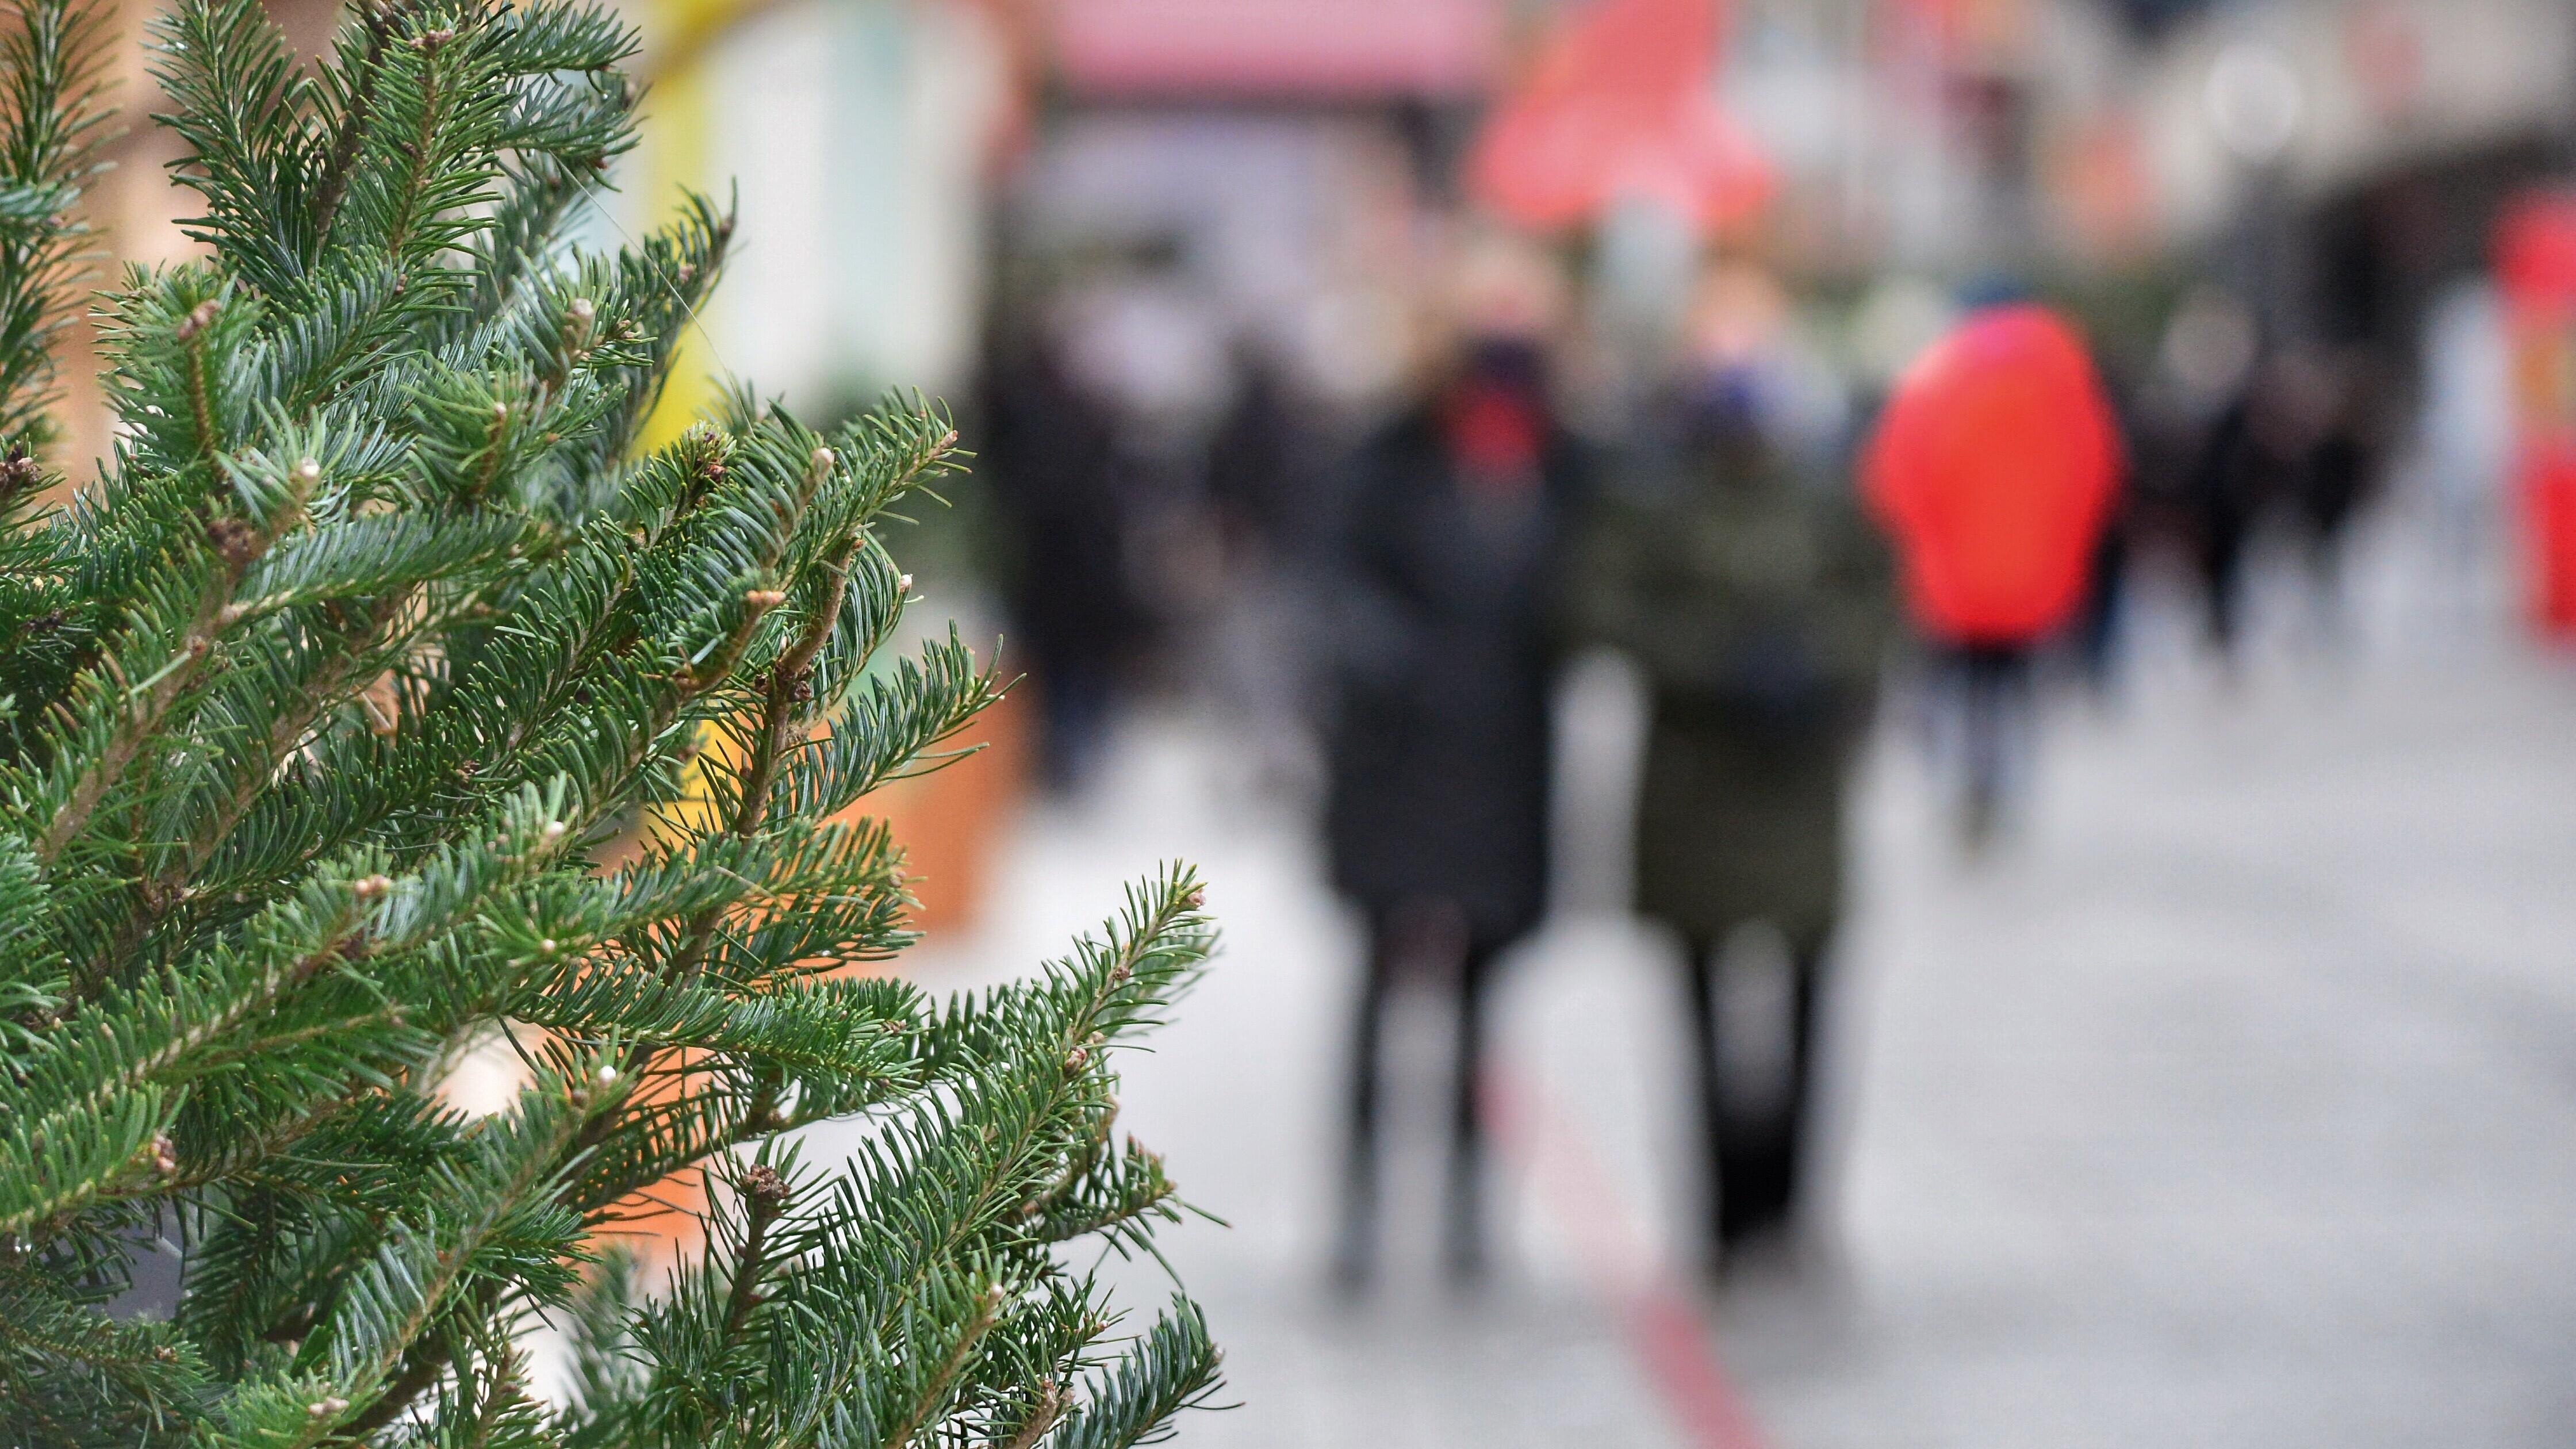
2232 1102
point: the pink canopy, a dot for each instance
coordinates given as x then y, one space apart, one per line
1306 48
1621 105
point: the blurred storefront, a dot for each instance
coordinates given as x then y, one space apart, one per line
912 168
1228 214
1255 163
854 136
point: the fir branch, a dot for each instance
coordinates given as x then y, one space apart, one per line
51 119
421 152
764 1194
931 1398
55 1352
320 702
1042 1416
376 1343
1138 963
789 687
240 114
605 1382
233 546
377 22
164 889
1175 1368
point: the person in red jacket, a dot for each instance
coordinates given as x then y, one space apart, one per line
1993 469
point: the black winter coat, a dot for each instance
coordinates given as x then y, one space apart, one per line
1440 740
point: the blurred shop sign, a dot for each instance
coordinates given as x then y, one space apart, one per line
1275 48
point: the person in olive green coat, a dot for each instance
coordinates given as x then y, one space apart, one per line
1755 598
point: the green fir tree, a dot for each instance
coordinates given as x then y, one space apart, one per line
321 707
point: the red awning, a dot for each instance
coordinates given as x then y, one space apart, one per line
1622 105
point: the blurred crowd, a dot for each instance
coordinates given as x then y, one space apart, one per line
1380 600
1350 376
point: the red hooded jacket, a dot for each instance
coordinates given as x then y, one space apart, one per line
1993 468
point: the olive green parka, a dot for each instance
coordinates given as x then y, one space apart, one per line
1756 600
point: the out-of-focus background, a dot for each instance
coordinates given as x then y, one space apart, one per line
1489 481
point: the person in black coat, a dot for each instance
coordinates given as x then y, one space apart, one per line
2339 479
2251 462
1437 799
1049 446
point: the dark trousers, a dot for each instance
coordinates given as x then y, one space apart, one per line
1398 941
2224 535
1993 681
1753 1151
1074 697
2098 623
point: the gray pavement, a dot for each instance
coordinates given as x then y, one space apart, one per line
2231 1102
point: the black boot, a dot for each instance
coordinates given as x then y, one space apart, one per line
1759 1161
1355 1242
1464 1243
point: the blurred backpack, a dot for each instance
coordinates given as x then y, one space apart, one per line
1743 583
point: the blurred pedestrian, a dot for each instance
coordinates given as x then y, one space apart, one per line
2337 480
2203 362
2229 485
2255 460
1261 473
1437 808
1270 484
2465 440
1994 468
2101 622
1049 445
1743 580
